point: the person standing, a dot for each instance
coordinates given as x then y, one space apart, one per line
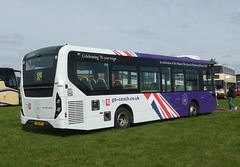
231 95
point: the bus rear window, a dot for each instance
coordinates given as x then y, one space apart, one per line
39 70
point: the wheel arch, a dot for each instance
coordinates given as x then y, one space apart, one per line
197 103
129 109
194 109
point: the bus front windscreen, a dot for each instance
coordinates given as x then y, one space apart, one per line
9 78
238 78
238 83
219 84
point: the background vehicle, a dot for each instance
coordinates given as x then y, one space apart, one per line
238 83
223 76
84 88
9 93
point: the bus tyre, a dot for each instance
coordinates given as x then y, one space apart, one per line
193 109
122 118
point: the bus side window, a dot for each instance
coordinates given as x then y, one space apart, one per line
93 76
207 80
150 79
166 79
178 83
124 77
192 80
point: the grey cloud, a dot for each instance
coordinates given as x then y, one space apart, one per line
13 38
142 33
235 19
226 56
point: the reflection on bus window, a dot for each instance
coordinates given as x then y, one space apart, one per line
150 79
178 82
39 63
124 77
207 80
166 79
192 79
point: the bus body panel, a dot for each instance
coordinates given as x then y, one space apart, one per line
8 96
142 113
43 108
145 112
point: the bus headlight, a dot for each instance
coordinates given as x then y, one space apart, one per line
58 106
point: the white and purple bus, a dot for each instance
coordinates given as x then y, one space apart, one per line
72 87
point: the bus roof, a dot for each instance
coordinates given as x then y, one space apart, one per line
6 68
135 54
222 65
143 55
171 58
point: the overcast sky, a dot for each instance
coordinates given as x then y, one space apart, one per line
206 28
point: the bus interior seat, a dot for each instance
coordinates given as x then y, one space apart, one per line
179 88
86 82
154 86
101 84
93 83
118 84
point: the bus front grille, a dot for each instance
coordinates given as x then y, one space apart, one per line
75 112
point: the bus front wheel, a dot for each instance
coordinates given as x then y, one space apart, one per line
122 118
193 109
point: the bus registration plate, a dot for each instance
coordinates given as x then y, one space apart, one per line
38 123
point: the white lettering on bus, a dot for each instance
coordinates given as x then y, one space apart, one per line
98 57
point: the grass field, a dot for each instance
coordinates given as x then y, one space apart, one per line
223 103
208 140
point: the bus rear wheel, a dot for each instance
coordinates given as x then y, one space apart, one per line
193 109
122 118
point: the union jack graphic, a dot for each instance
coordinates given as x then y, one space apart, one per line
163 109
125 53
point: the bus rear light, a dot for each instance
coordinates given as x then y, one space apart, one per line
58 106
22 112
